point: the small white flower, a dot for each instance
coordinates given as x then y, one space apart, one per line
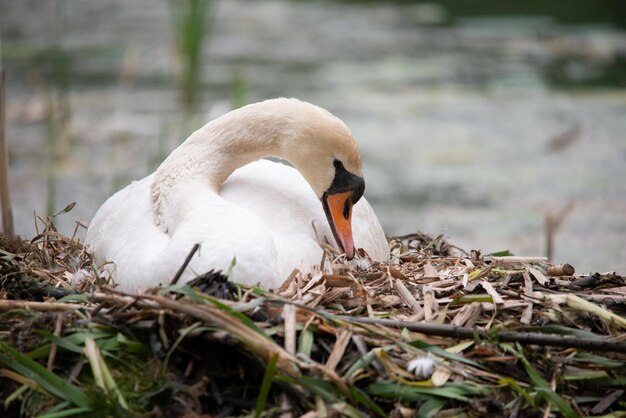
422 367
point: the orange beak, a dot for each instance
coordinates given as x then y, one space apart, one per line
338 208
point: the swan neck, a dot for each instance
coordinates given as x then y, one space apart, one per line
212 153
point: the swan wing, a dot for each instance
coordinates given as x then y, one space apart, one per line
266 216
144 256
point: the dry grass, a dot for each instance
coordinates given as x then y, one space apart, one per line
436 332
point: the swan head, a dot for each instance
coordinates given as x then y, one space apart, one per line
324 151
345 190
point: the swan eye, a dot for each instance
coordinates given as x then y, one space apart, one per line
338 164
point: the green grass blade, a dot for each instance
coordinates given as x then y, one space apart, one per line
347 410
322 388
243 318
132 346
460 392
543 388
430 408
112 385
61 342
185 290
80 337
15 395
77 298
517 388
443 353
559 330
110 344
39 352
42 376
305 342
363 399
101 372
361 363
66 413
183 333
58 407
266 384
480 297
536 379
502 253
558 402
597 360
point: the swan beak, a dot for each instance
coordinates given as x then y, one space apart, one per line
338 208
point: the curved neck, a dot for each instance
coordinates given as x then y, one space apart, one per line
217 149
299 132
212 153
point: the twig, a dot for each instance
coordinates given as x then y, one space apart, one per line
604 299
407 297
7 305
289 316
491 291
58 327
552 222
5 192
182 268
561 270
527 314
601 406
343 339
452 331
512 259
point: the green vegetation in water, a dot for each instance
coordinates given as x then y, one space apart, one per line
50 74
191 25
239 91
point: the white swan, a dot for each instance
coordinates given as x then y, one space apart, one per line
212 190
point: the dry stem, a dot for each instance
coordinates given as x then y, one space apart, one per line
5 192
453 331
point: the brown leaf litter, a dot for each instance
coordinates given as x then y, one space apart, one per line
497 335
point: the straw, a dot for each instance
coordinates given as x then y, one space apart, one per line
500 335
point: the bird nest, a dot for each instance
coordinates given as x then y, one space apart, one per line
436 331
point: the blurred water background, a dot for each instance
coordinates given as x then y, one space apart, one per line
476 119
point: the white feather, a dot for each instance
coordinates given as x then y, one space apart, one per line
422 367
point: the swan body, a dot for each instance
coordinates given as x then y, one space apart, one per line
216 190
